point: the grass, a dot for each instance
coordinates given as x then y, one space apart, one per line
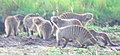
103 10
40 50
104 29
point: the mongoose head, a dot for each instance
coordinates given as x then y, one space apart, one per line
37 20
55 19
88 16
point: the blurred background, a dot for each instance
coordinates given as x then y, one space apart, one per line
103 10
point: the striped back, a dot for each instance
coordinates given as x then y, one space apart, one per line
78 33
84 18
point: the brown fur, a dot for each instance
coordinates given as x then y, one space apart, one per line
102 36
44 27
2 27
76 33
58 22
11 25
83 18
20 17
28 23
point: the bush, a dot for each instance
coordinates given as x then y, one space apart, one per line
103 10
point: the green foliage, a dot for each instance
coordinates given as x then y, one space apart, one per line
103 10
103 29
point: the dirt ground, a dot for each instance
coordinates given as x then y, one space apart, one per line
14 42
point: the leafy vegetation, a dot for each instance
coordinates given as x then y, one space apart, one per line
103 10
104 29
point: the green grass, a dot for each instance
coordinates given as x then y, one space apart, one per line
104 29
103 10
